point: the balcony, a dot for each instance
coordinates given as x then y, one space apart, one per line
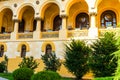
51 34
102 31
4 36
77 33
27 35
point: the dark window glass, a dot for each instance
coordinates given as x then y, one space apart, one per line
2 29
108 19
21 26
48 49
82 21
42 25
23 51
57 23
1 50
34 25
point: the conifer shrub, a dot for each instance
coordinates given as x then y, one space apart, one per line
28 62
77 58
2 67
101 61
46 75
51 62
23 74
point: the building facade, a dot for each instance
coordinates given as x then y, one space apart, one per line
35 27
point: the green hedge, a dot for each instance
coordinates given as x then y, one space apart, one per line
104 78
23 74
46 75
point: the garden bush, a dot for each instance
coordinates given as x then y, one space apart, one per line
46 75
2 67
101 61
22 74
28 62
104 78
77 58
51 62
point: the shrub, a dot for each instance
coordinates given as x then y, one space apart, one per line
22 74
104 78
2 67
28 62
101 63
51 62
76 58
46 75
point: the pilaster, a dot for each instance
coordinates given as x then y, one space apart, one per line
37 32
93 30
63 31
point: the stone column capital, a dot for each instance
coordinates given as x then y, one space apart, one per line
63 16
38 18
16 20
93 13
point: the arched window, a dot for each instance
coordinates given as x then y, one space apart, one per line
48 49
57 23
1 50
23 50
82 21
108 18
34 25
21 26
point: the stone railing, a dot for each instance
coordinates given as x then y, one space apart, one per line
77 33
28 35
51 34
4 36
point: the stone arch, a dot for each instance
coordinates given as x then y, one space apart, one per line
22 8
27 14
72 2
45 5
44 46
73 10
6 21
5 46
49 11
23 43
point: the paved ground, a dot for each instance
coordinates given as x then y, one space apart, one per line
3 78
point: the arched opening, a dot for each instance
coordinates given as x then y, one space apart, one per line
21 26
82 21
23 50
1 50
75 7
49 12
6 22
48 49
57 23
26 15
108 19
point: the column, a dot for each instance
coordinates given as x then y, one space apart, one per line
38 27
93 30
37 32
15 32
16 25
63 31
